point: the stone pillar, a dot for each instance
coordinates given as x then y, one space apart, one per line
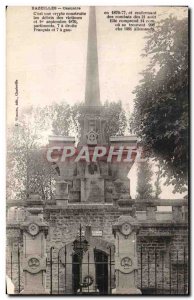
126 256
151 212
62 191
34 251
177 213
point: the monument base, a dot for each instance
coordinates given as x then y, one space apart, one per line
129 291
35 292
90 291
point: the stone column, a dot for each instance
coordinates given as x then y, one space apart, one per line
34 251
126 256
151 212
177 213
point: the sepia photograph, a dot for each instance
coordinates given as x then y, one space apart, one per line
97 162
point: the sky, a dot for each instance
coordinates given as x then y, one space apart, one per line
51 67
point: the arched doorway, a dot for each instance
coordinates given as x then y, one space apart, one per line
101 272
101 265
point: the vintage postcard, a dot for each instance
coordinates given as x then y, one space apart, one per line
97 150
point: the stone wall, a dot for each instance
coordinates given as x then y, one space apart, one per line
162 238
163 248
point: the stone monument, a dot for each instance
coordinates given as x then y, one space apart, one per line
126 256
34 259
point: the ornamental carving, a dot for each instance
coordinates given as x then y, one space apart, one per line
126 229
33 263
33 229
92 137
126 262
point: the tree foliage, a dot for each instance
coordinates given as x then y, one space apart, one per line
27 168
144 181
61 118
66 118
115 117
157 190
160 115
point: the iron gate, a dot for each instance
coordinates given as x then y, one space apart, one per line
103 265
159 272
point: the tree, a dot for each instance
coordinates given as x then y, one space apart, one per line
66 118
144 186
160 115
115 117
27 169
61 116
158 189
144 179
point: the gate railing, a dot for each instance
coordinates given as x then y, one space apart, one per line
163 272
62 268
159 272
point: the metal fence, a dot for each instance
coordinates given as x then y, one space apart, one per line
163 272
159 272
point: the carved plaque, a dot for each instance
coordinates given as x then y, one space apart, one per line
33 229
33 263
126 262
92 137
126 229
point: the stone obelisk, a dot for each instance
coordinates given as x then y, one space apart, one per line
92 90
91 122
